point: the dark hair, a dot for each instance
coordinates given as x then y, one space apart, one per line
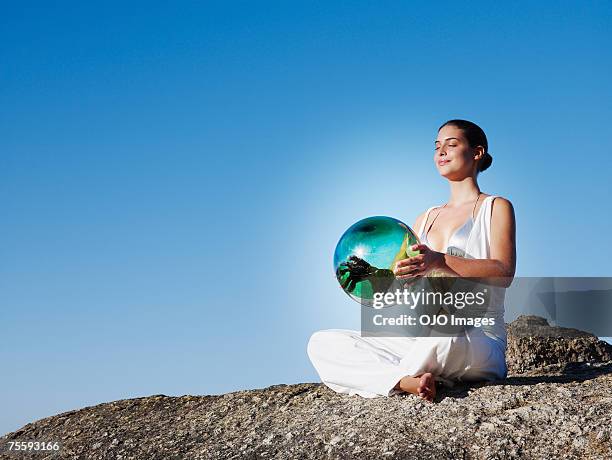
475 137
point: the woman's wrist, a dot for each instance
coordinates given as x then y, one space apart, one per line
441 265
440 261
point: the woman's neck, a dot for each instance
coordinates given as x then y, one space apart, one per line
463 192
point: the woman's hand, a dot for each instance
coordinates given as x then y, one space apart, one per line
419 265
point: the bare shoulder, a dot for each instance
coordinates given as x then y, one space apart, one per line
501 205
502 212
419 221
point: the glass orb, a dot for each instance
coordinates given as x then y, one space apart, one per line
366 254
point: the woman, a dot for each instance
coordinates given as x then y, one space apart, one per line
472 235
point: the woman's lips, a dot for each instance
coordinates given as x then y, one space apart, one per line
443 162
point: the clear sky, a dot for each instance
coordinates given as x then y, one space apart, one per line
174 177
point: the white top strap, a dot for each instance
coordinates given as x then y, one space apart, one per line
422 226
489 214
486 214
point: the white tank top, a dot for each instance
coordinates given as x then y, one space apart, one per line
473 241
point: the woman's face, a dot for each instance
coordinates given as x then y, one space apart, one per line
453 156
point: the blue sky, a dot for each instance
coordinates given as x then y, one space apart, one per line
174 178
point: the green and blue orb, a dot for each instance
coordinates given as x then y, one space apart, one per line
366 254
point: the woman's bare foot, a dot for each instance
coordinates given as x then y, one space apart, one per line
423 386
427 387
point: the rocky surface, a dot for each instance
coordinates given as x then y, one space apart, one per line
557 403
533 344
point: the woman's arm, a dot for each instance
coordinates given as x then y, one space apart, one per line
500 265
502 262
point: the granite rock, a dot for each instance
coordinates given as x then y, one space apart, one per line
533 343
555 403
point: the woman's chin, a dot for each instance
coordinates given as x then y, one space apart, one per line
452 175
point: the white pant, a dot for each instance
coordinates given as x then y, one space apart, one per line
372 366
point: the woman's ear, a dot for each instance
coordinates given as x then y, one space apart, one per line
479 152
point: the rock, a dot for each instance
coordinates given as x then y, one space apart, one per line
534 344
548 407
